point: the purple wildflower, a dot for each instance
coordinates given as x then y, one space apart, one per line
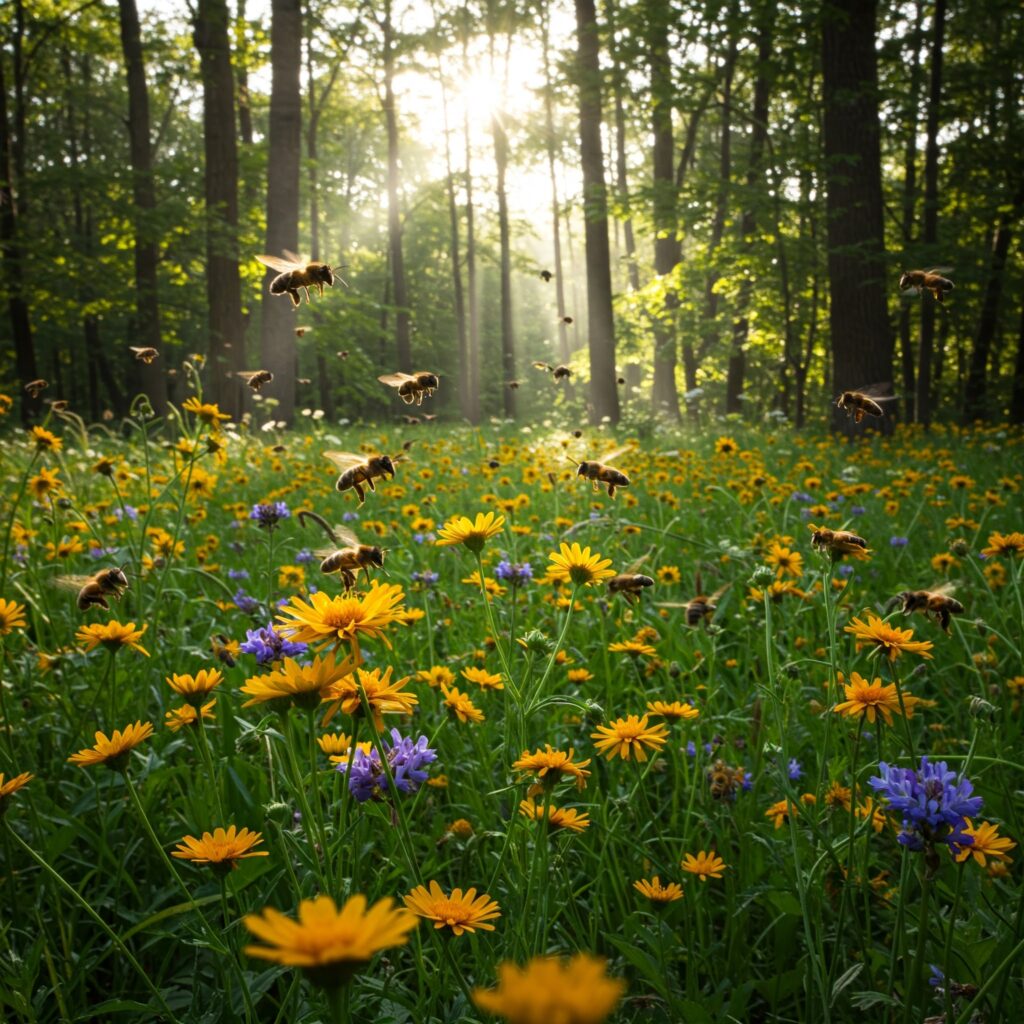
898 542
268 516
795 771
245 603
406 758
238 574
514 574
304 557
268 645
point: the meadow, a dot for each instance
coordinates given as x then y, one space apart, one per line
482 785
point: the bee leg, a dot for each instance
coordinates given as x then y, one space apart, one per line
359 492
858 416
611 490
370 484
348 580
408 399
419 398
294 296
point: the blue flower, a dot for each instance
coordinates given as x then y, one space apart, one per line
795 770
268 645
268 516
857 510
238 574
514 574
427 577
245 603
407 758
304 556
898 542
347 517
130 511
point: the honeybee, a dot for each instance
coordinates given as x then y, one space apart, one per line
36 387
411 420
143 355
546 275
938 603
620 381
724 781
343 354
412 387
513 385
304 380
94 590
566 320
838 542
602 473
557 372
348 560
630 585
294 273
913 281
302 331
861 402
255 379
359 471
221 647
700 608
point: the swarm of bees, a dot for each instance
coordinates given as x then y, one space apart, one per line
724 781
359 471
294 273
143 355
913 282
412 387
557 372
94 590
837 542
938 604
865 401
255 379
603 473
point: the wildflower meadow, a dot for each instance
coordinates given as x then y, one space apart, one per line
697 752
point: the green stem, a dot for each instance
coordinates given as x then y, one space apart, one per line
922 936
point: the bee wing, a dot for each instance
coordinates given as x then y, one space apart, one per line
544 366
346 538
912 290
718 593
71 582
280 265
671 604
939 270
394 380
880 391
635 564
401 456
611 456
299 260
344 460
944 590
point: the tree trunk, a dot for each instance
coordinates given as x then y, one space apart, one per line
403 340
146 328
472 307
1017 390
220 150
861 339
758 140
277 322
926 341
600 320
242 76
621 171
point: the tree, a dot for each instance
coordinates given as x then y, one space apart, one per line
600 320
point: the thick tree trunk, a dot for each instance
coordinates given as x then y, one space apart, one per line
600 320
220 150
621 168
147 308
1017 390
926 341
861 339
277 322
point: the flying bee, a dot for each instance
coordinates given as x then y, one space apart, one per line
700 608
359 471
412 387
602 473
546 275
143 355
36 387
861 402
557 372
222 649
303 380
348 560
837 542
566 320
914 281
255 379
411 420
938 604
429 417
513 385
631 584
302 331
724 781
94 590
294 273
620 381
343 354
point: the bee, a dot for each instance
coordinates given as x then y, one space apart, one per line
36 387
700 608
411 420
724 781
428 417
938 603
348 560
546 275
304 380
602 473
513 385
294 273
143 355
255 379
861 402
302 331
620 381
566 320
631 584
94 590
837 542
557 372
359 471
411 387
913 281
222 649
343 354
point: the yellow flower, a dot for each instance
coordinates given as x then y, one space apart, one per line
44 483
838 795
781 811
460 912
206 412
887 639
382 695
579 675
658 893
461 828
629 737
558 817
221 850
178 718
673 711
704 865
328 619
113 752
473 533
484 679
571 563
195 689
670 574
12 616
329 944
334 743
436 675
726 446
304 685
551 991
64 548
987 843
291 576
634 648
864 698
552 765
1000 544
11 786
45 441
113 636
786 562
943 562
460 705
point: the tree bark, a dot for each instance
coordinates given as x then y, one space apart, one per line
242 77
621 167
1017 389
472 306
220 150
600 320
277 323
860 333
146 328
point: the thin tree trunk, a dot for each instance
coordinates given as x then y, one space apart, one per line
147 308
621 169
600 319
861 339
926 341
242 77
1017 389
472 306
277 321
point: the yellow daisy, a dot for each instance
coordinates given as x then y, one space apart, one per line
304 685
12 616
887 639
113 636
704 865
474 533
325 620
178 718
222 850
383 696
551 765
658 893
115 751
629 737
11 786
571 563
460 912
